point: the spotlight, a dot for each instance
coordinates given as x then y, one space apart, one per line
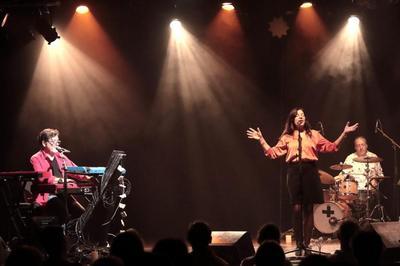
228 6
353 21
306 5
353 25
175 24
82 9
44 27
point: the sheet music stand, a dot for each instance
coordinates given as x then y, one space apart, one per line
113 171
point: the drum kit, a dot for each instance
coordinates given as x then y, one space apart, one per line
344 200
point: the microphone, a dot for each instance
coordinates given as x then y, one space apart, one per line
62 150
376 126
322 128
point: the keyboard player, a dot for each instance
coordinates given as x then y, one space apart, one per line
51 161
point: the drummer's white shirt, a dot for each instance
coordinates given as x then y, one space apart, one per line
358 170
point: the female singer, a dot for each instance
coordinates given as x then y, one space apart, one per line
301 145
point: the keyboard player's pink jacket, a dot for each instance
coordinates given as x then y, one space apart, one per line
41 163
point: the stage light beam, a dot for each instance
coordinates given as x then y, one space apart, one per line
346 56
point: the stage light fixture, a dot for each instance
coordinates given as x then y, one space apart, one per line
4 20
175 24
306 5
82 9
228 6
353 21
44 27
353 25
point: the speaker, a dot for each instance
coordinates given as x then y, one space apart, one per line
232 246
390 234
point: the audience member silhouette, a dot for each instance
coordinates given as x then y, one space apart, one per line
270 253
172 249
267 232
55 245
129 247
367 248
3 251
24 256
345 234
108 261
199 237
315 260
357 248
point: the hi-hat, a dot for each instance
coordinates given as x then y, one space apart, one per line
340 167
326 178
368 159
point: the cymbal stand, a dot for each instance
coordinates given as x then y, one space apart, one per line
367 216
396 181
379 207
367 170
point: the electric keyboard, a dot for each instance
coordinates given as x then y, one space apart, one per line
85 170
54 189
21 175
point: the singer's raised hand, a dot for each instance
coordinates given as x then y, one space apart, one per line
348 128
254 134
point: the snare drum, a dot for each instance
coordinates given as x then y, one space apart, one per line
330 215
348 189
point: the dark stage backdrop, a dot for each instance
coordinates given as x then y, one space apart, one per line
188 157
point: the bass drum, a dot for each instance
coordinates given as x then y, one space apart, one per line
330 215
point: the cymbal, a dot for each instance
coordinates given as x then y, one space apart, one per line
368 159
326 178
340 167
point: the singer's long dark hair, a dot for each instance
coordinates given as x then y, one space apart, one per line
290 127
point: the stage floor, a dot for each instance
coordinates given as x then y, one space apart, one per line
321 245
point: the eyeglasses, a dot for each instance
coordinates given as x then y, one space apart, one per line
54 141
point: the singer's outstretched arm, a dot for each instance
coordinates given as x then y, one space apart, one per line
347 129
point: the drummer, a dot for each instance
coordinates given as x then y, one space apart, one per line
359 169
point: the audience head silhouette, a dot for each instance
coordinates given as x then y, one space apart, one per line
53 241
315 260
24 256
199 235
268 232
270 253
367 247
108 261
127 245
346 232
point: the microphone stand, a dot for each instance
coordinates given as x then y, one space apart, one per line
299 151
302 248
65 187
395 146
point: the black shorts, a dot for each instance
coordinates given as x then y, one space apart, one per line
304 184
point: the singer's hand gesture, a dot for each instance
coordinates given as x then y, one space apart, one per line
254 134
348 128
